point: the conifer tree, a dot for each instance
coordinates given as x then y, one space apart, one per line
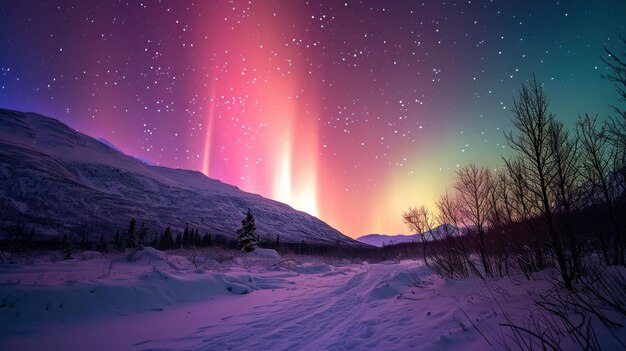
206 240
197 239
131 237
117 240
178 242
247 240
102 244
143 232
67 248
161 241
185 239
164 241
169 241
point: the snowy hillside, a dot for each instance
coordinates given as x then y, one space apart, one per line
381 240
60 181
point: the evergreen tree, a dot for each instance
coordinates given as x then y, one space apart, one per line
102 244
169 240
185 239
131 237
143 232
206 240
197 239
178 242
247 240
117 240
278 240
67 248
164 240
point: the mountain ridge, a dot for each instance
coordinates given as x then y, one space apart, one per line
380 240
61 181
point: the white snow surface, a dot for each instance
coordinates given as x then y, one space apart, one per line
170 301
265 253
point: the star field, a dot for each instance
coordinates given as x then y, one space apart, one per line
349 110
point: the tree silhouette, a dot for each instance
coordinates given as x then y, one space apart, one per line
472 187
247 240
141 237
536 164
131 235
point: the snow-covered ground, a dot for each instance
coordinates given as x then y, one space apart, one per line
214 300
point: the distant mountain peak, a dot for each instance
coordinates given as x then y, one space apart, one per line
384 239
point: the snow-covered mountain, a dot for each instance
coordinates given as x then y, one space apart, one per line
381 240
60 181
112 146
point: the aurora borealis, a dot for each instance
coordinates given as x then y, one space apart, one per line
349 110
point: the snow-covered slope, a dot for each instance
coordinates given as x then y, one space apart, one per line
381 240
112 146
60 181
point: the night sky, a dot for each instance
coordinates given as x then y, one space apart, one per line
349 110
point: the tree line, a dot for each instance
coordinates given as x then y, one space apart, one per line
23 240
559 200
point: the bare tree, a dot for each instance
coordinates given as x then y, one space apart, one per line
521 197
418 220
472 187
448 212
617 133
503 191
533 122
597 166
617 75
429 220
495 207
499 218
567 188
452 259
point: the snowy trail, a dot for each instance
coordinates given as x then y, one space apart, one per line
311 316
309 307
320 311
325 311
